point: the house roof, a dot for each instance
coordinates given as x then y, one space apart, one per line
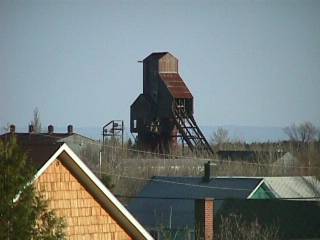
41 146
175 85
294 187
174 196
97 188
38 147
35 138
287 160
40 138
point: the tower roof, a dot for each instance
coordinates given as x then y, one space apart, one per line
156 55
175 85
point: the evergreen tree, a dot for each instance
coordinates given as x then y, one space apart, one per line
23 212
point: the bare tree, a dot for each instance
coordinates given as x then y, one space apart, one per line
304 132
6 128
36 123
220 136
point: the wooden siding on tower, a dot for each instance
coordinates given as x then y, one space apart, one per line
168 64
84 216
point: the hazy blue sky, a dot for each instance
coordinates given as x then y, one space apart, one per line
253 63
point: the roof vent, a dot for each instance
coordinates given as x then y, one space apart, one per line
12 128
50 129
70 129
31 129
208 171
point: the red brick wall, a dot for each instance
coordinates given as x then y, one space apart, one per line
204 219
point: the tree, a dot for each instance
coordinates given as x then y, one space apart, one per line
23 212
36 123
6 128
220 136
107 181
304 132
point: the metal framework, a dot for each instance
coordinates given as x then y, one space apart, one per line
113 130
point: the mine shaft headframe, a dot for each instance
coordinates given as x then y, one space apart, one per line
164 97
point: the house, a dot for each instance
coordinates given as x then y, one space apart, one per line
74 140
89 209
169 202
78 143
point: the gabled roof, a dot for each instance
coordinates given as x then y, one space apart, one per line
101 193
175 85
175 196
287 160
294 187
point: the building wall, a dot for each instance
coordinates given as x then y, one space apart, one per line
204 219
168 64
84 216
164 101
78 143
263 192
151 79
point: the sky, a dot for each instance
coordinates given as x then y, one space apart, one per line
248 63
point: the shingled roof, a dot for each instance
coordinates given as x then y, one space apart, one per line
165 196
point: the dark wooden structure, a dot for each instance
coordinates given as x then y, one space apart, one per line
164 111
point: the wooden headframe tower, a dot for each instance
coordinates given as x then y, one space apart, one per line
164 110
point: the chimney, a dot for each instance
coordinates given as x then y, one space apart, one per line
31 130
70 129
204 219
50 129
208 171
12 128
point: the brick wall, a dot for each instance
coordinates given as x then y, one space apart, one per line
85 217
204 219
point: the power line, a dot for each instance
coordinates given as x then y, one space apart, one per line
173 156
195 185
177 183
174 182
